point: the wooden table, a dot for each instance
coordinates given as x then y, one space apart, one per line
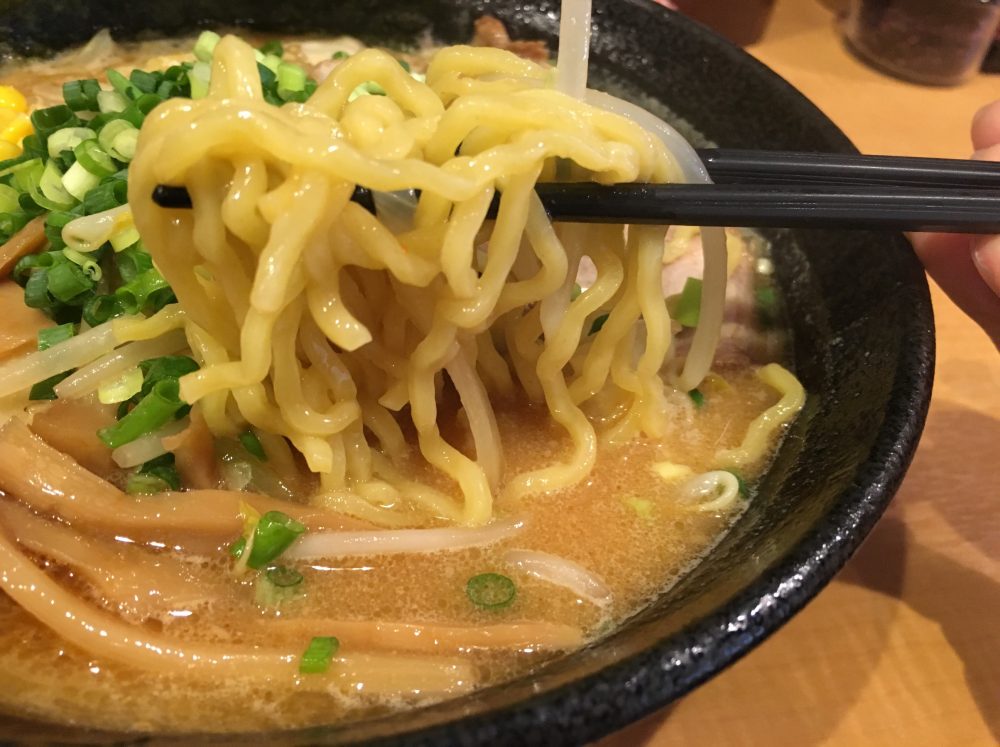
903 648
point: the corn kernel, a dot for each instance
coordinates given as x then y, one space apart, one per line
670 472
11 98
8 150
17 130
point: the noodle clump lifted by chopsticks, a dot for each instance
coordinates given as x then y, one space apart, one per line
316 320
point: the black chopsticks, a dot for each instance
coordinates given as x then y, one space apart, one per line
765 189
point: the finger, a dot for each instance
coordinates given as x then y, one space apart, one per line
987 154
949 260
986 257
986 126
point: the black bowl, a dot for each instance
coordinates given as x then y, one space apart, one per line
863 347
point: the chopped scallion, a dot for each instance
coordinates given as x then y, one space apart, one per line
54 335
317 657
120 388
45 389
111 102
273 47
205 46
697 397
81 95
94 159
490 591
67 282
743 489
140 484
67 139
252 444
274 533
688 306
85 262
284 577
79 180
154 410
598 324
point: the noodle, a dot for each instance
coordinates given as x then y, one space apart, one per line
298 165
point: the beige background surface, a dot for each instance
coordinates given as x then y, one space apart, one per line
903 648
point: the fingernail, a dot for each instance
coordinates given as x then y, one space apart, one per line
986 258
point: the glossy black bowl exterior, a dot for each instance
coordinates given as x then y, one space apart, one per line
863 347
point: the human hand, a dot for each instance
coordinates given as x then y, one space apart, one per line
968 267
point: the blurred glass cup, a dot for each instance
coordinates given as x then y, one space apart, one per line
936 42
741 21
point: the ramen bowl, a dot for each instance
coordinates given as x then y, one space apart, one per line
862 345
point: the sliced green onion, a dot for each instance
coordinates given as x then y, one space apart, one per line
26 175
340 55
67 139
236 549
275 532
85 262
284 577
252 444
120 388
643 507
81 95
743 490
271 62
273 47
598 324
33 146
11 223
52 184
119 82
135 294
205 46
79 180
688 306
8 199
111 130
576 292
697 397
109 102
54 335
163 468
99 309
67 282
291 78
140 484
94 159
370 88
45 389
47 121
124 239
36 291
490 591
132 262
111 193
200 76
766 304
318 656
165 367
145 81
154 411
124 145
